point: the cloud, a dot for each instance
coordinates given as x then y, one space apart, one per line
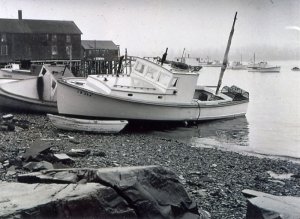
293 28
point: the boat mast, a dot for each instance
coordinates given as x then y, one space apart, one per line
225 60
164 57
182 54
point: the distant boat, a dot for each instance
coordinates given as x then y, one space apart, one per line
263 67
37 94
237 66
215 63
179 64
191 61
87 125
13 72
295 69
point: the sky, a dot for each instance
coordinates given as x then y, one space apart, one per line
268 28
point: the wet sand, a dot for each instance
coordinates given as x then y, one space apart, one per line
213 178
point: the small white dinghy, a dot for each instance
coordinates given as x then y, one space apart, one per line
87 125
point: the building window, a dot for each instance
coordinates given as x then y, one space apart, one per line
54 38
69 50
68 38
4 50
3 38
54 50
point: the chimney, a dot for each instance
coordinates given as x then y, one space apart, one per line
20 14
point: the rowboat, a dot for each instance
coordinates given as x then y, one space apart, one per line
87 125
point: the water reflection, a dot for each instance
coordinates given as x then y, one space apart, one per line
219 133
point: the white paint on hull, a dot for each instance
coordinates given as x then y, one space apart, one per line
97 126
76 101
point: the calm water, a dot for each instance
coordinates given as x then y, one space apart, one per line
272 123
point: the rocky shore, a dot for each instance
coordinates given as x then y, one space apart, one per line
214 179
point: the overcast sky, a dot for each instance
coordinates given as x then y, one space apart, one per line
270 28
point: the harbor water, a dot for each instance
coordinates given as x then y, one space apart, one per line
272 123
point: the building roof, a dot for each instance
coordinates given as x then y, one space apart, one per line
38 26
98 44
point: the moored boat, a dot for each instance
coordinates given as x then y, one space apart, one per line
263 67
237 66
14 72
34 94
295 69
151 92
87 125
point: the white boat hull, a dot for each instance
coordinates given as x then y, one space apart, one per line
78 101
21 103
36 94
96 126
269 69
16 74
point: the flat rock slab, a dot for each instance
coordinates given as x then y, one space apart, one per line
151 191
20 200
265 206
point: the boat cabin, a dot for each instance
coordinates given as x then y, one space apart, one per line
148 81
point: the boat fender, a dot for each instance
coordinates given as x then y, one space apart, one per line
40 87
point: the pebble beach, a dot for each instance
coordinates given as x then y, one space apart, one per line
214 179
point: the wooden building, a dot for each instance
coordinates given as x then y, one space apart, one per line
39 40
103 50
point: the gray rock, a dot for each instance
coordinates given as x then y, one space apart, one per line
78 152
35 149
263 205
7 116
91 200
37 166
152 191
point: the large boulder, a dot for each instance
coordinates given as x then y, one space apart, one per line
91 200
143 192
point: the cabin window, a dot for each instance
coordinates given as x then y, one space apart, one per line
54 38
164 79
174 82
54 50
139 67
4 50
68 38
44 71
3 38
151 73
